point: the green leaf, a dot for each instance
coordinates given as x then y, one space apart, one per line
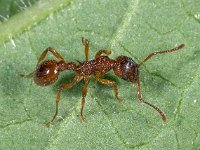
131 28
10 8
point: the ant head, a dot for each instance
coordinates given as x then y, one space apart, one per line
126 69
46 73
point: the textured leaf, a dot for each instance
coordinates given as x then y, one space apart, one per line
9 8
130 27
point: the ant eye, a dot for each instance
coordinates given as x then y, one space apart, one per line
46 73
124 78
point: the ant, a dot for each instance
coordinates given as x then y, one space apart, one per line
124 67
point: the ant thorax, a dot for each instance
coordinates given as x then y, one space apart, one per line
101 65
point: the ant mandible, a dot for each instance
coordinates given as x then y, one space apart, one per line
124 67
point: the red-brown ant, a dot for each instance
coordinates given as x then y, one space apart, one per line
124 67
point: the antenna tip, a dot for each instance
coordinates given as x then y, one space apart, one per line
181 46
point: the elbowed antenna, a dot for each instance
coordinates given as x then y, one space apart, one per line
149 104
161 52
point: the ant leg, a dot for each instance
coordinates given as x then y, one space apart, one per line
84 93
53 51
109 83
63 87
42 56
98 54
161 52
151 105
86 44
28 75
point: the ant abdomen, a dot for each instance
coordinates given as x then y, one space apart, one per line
46 73
126 68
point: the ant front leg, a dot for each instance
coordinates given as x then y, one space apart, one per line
109 83
99 53
151 105
84 93
53 51
60 89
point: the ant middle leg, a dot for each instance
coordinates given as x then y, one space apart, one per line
151 105
99 53
86 44
60 89
84 93
109 83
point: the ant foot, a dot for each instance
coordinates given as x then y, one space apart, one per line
119 98
85 41
27 76
82 119
48 124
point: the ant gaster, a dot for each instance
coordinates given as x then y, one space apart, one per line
124 67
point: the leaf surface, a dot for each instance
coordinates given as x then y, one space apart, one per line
132 28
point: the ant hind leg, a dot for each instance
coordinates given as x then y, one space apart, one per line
53 51
42 56
28 75
60 89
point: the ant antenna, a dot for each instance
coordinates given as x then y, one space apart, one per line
161 52
151 105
